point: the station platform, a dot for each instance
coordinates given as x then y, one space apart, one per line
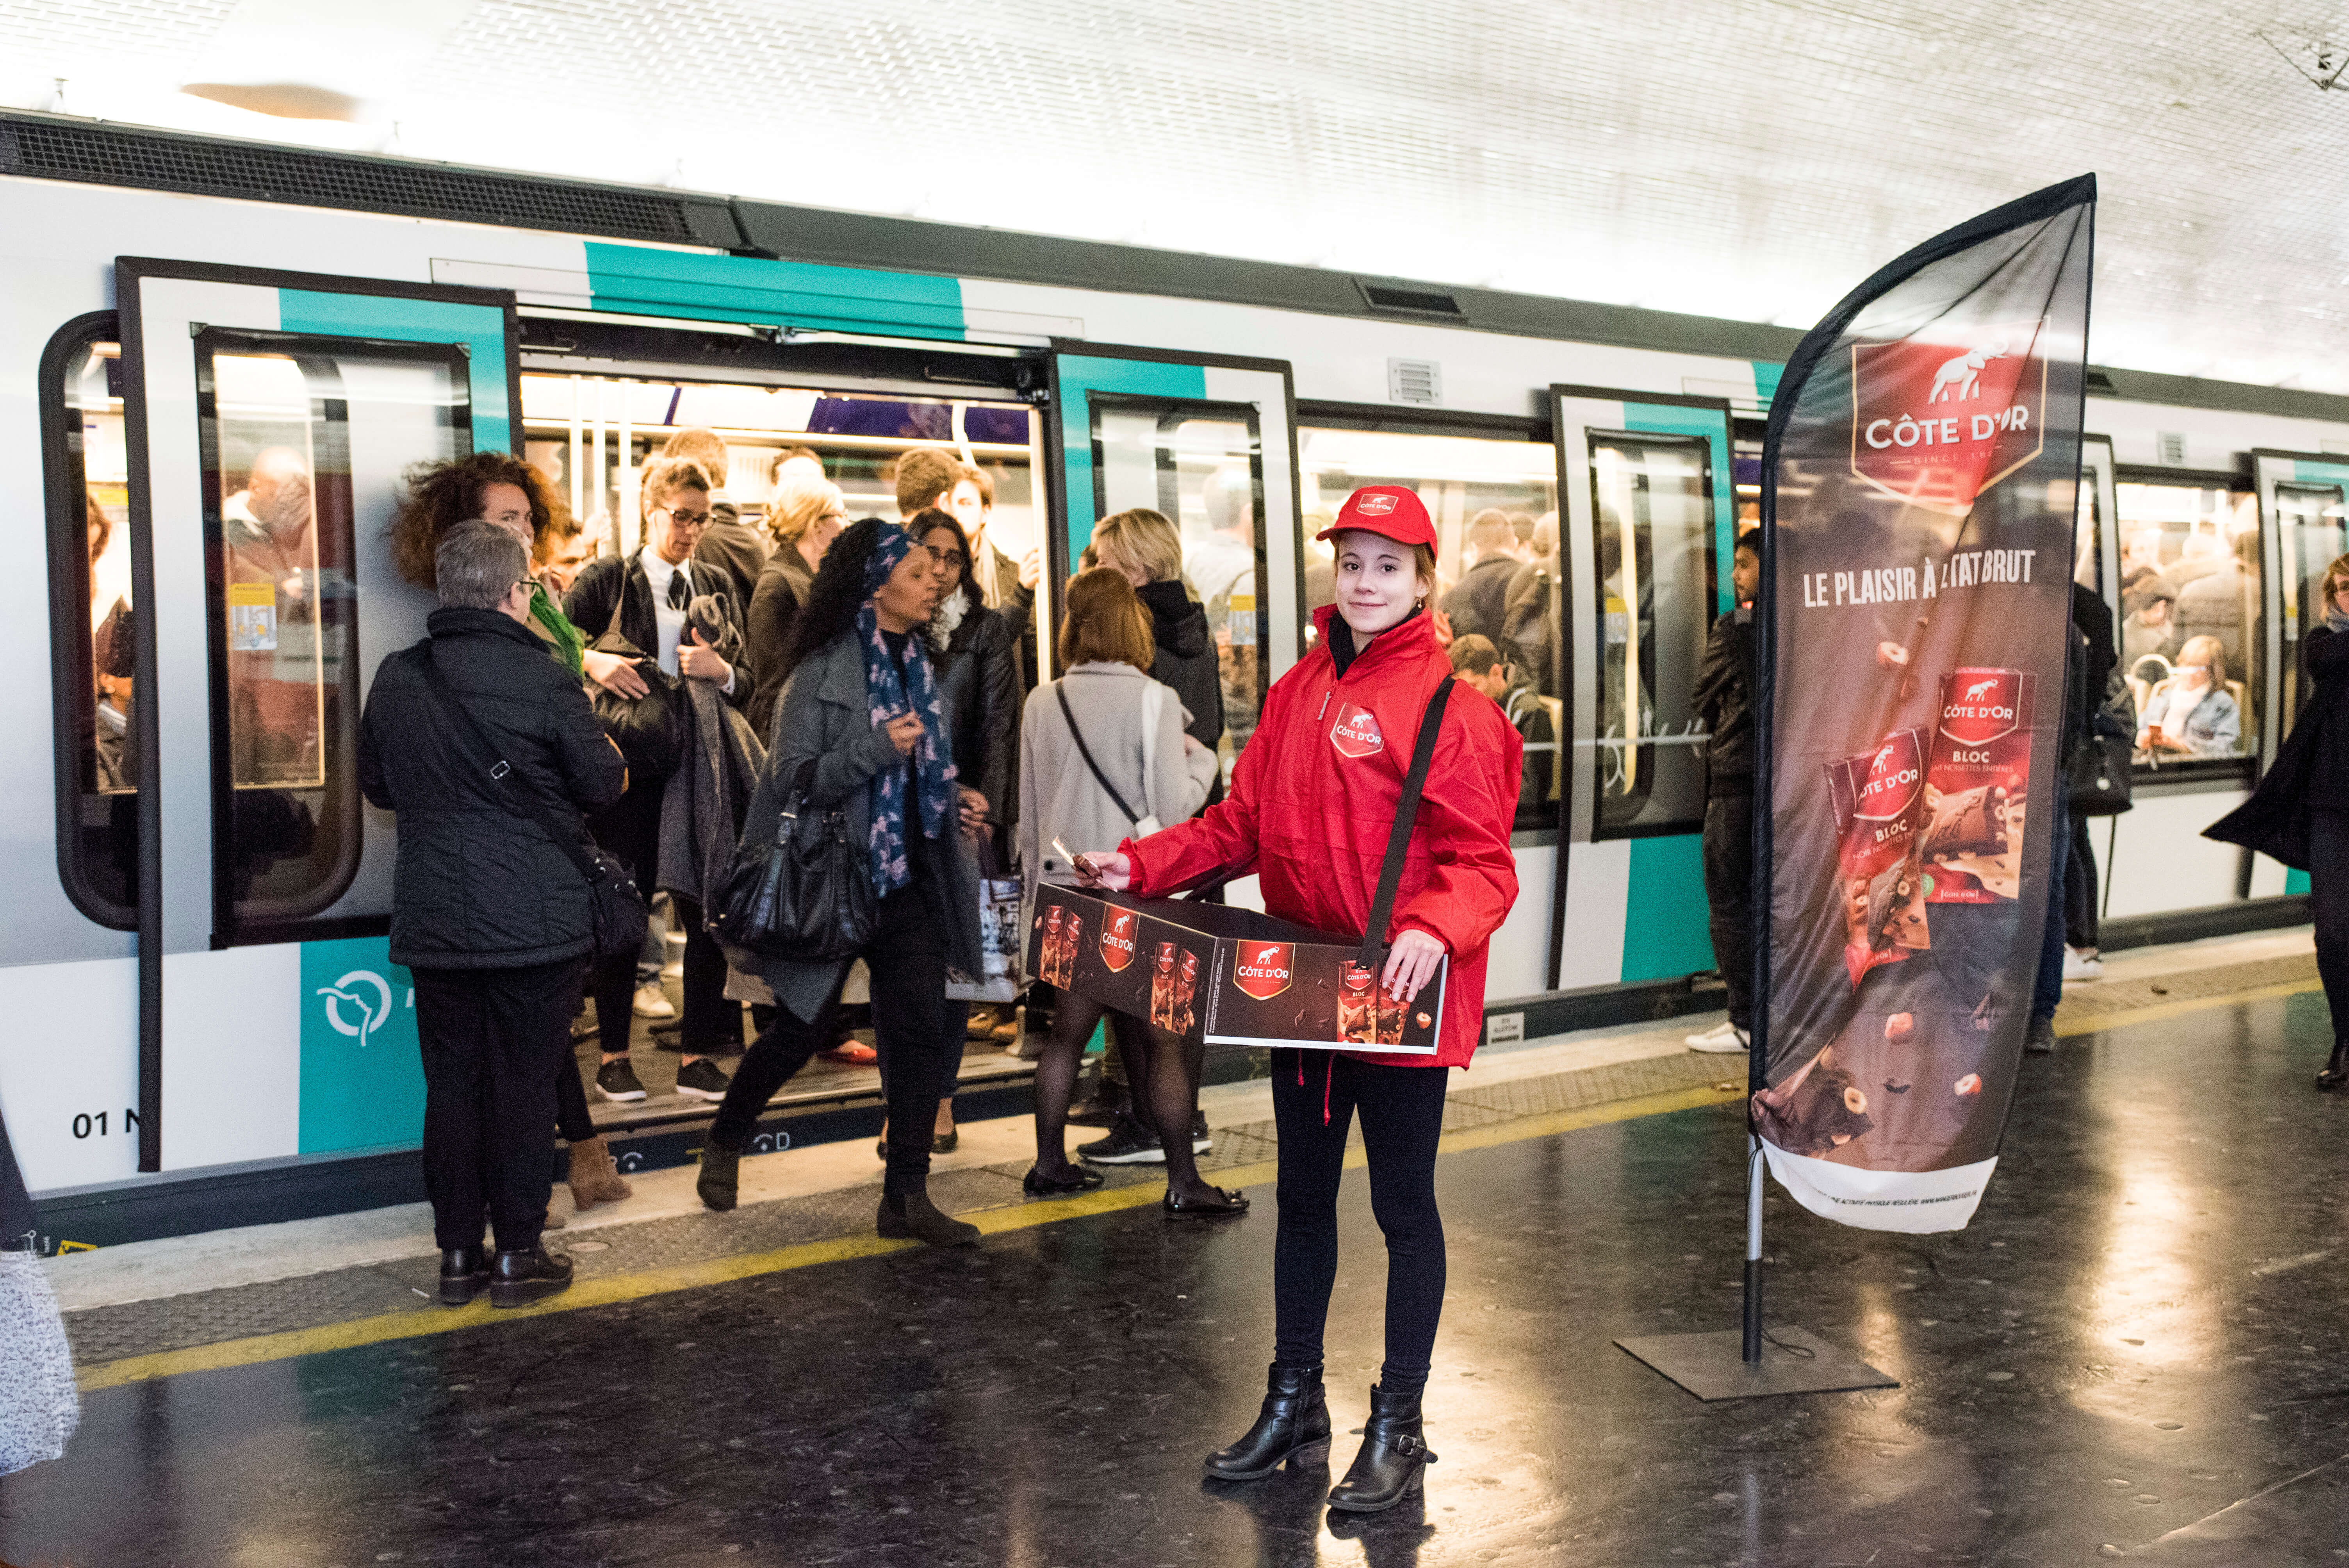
2135 1351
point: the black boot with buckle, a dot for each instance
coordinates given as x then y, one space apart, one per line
2336 1071
1394 1453
1293 1424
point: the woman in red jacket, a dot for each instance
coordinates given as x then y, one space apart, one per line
1312 800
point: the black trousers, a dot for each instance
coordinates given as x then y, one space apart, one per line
1729 895
491 1041
919 1060
2080 890
1315 1095
629 829
2328 906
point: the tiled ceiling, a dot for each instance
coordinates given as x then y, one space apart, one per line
1734 158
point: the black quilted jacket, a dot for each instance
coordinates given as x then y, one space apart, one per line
477 885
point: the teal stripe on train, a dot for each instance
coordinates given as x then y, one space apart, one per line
1082 376
763 292
1666 933
482 328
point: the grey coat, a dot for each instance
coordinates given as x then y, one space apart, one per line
825 714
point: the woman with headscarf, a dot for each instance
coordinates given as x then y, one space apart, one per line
863 731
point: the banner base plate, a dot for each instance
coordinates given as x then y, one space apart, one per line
1713 1366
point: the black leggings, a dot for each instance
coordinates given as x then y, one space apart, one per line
908 957
1165 1098
1402 1117
2328 906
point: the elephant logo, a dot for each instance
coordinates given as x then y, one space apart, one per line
369 993
1958 380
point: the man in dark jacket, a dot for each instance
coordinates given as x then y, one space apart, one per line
490 915
1478 602
1724 701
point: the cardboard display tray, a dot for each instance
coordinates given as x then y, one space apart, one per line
1221 976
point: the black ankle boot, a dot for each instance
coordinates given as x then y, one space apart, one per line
913 1217
1393 1454
463 1272
1294 1422
519 1278
2336 1071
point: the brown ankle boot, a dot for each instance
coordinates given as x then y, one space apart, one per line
594 1178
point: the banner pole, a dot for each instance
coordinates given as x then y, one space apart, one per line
1753 1175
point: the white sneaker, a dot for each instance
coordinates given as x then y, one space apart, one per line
2078 965
1724 1039
652 1002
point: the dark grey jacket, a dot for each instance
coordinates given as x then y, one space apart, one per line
478 885
783 588
825 714
978 678
1186 657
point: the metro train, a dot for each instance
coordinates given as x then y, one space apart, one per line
226 347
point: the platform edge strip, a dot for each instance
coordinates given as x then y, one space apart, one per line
417 1325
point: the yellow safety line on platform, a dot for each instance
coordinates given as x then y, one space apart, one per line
587 1293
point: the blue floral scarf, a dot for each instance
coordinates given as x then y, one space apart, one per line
888 696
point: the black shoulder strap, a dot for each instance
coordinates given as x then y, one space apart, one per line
475 741
1423 756
1061 691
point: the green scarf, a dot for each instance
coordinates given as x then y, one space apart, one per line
554 629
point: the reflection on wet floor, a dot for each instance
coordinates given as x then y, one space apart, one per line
2136 1351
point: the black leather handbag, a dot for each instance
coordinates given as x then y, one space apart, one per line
806 894
617 902
650 730
2098 770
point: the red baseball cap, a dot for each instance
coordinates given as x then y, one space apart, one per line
1390 511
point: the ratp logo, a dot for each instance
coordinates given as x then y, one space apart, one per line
369 993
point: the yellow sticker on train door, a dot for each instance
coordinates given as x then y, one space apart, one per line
251 618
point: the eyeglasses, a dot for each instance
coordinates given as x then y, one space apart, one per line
955 558
684 518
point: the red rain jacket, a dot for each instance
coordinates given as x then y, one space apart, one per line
1317 790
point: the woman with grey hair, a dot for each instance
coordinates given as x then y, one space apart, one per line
489 913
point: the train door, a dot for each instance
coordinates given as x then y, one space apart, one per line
1645 483
267 420
2304 501
1210 443
1491 486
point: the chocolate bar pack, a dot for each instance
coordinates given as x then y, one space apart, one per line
1977 778
1878 798
1223 974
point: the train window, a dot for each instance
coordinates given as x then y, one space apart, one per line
2191 630
590 435
1201 465
1494 503
285 422
1652 510
92 623
2310 522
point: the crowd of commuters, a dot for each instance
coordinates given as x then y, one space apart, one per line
578 735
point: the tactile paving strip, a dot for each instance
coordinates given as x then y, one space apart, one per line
2086 1004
